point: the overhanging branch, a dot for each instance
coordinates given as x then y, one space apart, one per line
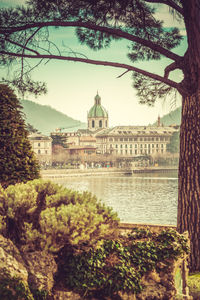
100 63
92 26
170 3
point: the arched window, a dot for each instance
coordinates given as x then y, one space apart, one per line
92 123
100 123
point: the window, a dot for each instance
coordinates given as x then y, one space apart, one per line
100 123
110 139
141 145
46 152
38 151
149 145
92 123
145 146
135 139
131 145
116 146
126 146
141 139
135 145
126 151
130 151
126 139
135 151
121 140
152 145
121 146
38 144
130 139
162 146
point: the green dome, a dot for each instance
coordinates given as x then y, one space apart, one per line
97 109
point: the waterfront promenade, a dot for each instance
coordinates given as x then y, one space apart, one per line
61 173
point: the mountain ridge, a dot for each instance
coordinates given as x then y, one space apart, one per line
46 119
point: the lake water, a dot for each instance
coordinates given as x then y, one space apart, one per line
140 198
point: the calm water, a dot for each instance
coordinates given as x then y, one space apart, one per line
141 198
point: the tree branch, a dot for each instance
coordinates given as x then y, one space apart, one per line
101 63
112 31
21 46
170 3
170 68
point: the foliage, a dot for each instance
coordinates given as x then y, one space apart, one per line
97 24
39 294
17 160
173 146
41 215
13 288
194 284
120 264
31 128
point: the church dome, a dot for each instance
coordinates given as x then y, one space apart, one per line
97 110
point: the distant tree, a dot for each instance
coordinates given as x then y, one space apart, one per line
59 139
17 160
31 128
24 33
173 146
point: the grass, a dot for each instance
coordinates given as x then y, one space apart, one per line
194 285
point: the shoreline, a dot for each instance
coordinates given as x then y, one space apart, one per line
61 173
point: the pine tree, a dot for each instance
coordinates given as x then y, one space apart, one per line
17 160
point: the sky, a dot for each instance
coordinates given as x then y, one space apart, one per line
72 86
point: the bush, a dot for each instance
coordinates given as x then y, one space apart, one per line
13 288
119 265
41 215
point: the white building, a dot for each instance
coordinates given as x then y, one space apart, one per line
134 140
42 146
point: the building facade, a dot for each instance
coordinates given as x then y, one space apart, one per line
134 140
42 146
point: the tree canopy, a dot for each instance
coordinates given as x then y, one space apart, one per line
24 33
17 160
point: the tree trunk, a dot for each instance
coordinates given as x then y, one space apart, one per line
189 177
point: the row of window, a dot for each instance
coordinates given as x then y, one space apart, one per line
139 139
42 145
137 146
136 151
98 123
42 152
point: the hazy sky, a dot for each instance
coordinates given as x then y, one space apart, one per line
73 86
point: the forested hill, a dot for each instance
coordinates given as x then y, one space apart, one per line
174 117
46 119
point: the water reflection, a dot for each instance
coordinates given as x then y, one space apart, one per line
145 198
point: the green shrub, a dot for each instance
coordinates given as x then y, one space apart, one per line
41 215
119 265
13 288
